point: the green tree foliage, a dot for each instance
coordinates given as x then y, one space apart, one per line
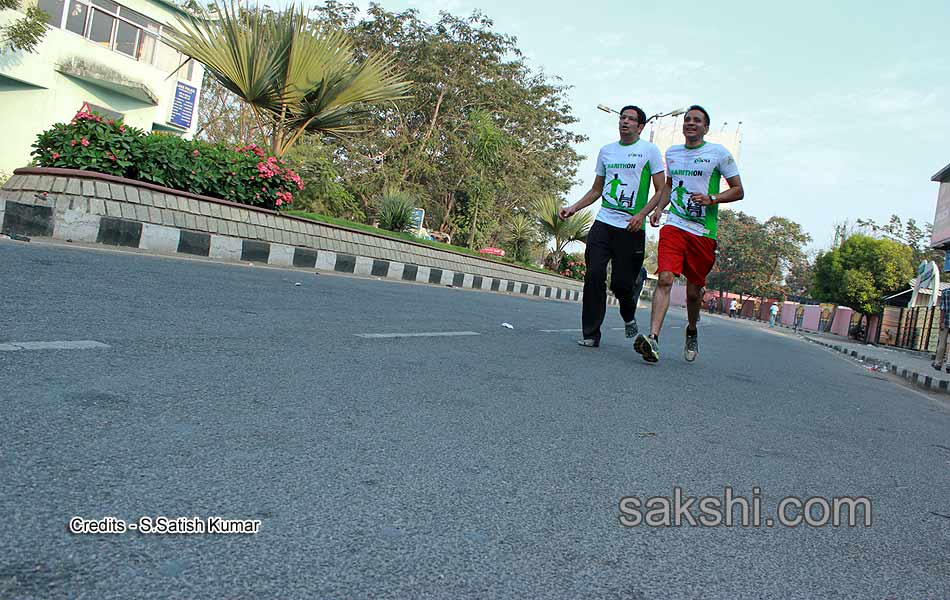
562 231
26 32
754 258
470 82
862 271
324 191
295 74
916 238
521 236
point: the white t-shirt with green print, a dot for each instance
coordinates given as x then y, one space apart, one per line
626 170
697 170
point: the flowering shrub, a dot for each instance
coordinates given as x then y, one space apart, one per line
90 142
572 265
246 175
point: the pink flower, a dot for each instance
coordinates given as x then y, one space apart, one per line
111 156
73 143
194 153
279 202
55 155
84 142
122 128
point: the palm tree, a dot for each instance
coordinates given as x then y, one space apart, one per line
297 75
522 233
564 231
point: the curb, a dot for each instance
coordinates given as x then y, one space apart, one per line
45 222
921 380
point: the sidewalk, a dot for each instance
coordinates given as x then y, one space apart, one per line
912 366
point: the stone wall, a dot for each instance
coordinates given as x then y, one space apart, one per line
88 207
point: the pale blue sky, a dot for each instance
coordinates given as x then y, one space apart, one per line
844 105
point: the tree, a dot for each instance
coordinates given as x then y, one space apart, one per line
296 75
862 271
564 231
460 67
753 257
522 235
26 32
486 141
323 191
800 277
907 233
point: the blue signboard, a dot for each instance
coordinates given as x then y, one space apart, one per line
183 107
418 216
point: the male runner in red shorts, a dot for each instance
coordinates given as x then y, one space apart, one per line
688 240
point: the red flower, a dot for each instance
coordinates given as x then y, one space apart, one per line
84 142
194 153
55 155
73 143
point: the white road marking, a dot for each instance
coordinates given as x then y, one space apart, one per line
67 345
558 330
408 335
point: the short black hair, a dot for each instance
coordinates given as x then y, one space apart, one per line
641 116
702 110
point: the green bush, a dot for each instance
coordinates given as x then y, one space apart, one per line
395 210
92 143
246 175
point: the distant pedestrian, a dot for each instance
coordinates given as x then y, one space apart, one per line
941 356
773 312
732 308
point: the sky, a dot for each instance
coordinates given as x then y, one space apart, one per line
843 105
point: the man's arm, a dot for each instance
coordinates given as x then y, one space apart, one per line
664 200
733 194
589 198
659 186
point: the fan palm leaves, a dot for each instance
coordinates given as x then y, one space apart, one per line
297 75
564 231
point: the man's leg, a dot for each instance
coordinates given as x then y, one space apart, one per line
627 249
941 348
694 298
661 302
595 282
700 256
670 254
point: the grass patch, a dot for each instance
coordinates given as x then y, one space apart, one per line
408 237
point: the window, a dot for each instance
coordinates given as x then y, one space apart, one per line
53 10
100 29
118 28
126 38
76 17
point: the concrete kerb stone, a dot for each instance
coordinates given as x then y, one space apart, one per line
160 227
919 379
159 238
280 255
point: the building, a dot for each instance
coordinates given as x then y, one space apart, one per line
100 55
664 136
940 238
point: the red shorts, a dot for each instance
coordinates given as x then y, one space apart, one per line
684 253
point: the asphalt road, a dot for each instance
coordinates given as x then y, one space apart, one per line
475 466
